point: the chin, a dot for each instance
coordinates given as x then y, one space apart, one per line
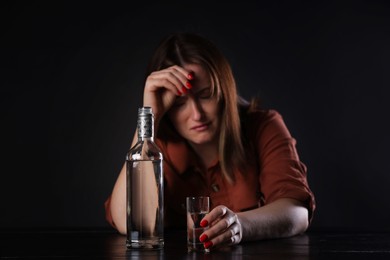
201 138
200 141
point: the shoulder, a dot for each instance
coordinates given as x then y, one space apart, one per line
260 117
263 124
264 113
252 113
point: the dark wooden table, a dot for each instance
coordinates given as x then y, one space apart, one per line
107 244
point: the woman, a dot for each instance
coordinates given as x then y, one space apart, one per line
215 144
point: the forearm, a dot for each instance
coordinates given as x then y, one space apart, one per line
118 202
118 198
282 218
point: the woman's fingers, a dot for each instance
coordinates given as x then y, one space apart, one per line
230 236
156 82
162 88
225 228
214 215
173 78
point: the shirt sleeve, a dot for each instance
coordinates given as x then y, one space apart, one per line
282 174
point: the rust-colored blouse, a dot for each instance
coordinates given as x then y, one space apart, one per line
273 171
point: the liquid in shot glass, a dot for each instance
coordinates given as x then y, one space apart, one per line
197 208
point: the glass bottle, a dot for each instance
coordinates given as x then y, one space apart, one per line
145 198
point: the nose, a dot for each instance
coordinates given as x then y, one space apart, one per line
196 109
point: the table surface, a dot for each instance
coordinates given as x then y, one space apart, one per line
103 244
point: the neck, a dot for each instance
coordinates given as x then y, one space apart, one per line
206 152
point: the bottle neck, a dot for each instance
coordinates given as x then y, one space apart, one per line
145 127
140 138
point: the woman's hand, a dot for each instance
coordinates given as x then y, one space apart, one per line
163 86
224 230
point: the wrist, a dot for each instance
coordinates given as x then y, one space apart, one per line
243 223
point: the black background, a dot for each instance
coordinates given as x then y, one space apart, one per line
72 78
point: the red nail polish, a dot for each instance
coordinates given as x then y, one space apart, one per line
183 90
179 93
188 84
190 77
203 238
208 244
204 223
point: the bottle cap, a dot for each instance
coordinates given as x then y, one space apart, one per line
145 111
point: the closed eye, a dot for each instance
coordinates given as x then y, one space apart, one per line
204 93
180 101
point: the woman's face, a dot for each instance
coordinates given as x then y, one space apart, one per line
195 115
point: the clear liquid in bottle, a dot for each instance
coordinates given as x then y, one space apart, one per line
145 201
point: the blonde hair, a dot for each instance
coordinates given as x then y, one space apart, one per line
188 48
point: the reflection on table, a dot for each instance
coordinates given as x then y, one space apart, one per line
91 244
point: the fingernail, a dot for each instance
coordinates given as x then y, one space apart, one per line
179 93
184 90
188 84
190 77
208 244
203 238
204 223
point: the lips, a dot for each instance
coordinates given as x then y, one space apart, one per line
200 127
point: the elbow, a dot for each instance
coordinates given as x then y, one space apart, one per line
119 225
299 221
118 221
122 230
300 226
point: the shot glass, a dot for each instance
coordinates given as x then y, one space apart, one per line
197 208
